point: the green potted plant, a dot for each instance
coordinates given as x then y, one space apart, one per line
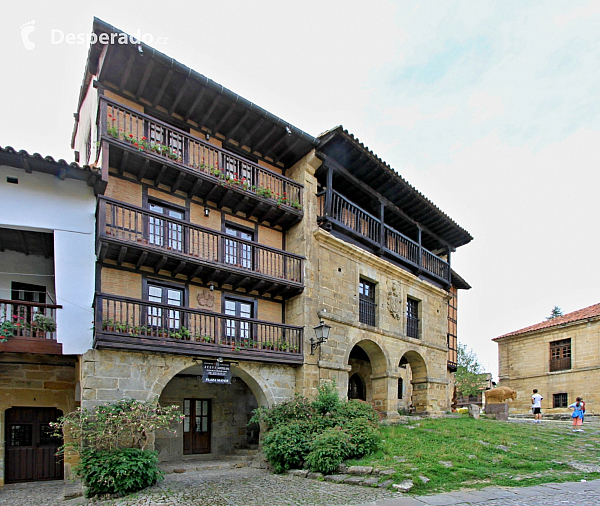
44 324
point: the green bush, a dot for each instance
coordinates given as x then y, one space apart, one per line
287 445
121 471
364 437
327 398
321 433
328 450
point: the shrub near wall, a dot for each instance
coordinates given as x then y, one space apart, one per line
111 442
321 434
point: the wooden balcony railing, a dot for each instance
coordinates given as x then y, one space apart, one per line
156 138
122 322
20 318
193 245
351 218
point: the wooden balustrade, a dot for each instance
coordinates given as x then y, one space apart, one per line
147 228
147 324
27 319
153 136
358 222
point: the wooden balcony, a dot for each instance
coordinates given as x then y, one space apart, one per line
340 214
28 327
153 150
124 323
141 237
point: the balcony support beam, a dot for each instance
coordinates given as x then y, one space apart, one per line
196 188
160 176
122 253
178 181
160 264
124 161
141 260
194 105
143 170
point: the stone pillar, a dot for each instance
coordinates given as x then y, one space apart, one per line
499 411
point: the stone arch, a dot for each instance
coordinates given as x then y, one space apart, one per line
416 374
368 359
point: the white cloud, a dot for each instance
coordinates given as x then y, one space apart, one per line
579 12
486 107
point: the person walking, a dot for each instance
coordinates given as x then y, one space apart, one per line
536 406
583 410
577 415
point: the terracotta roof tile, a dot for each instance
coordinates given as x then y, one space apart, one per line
580 314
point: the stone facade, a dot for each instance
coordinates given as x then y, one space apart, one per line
524 363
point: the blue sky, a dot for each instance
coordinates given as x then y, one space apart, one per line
489 108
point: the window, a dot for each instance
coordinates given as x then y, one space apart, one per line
412 318
238 253
159 316
163 233
559 400
560 355
166 137
400 388
237 331
366 302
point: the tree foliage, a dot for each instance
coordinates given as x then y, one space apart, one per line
469 373
555 313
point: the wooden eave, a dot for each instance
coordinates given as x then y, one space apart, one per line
185 97
439 230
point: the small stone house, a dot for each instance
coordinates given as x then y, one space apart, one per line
559 357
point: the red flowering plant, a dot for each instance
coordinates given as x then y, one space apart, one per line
9 326
112 129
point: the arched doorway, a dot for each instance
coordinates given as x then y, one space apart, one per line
368 366
412 384
216 416
356 388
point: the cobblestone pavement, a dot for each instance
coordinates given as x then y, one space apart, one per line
254 487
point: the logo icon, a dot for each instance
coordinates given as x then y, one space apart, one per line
26 31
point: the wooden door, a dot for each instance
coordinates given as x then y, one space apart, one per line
196 426
30 447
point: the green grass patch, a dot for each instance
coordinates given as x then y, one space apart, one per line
461 453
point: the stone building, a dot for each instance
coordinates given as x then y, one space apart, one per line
225 235
46 290
559 357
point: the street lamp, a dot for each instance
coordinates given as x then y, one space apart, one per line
322 333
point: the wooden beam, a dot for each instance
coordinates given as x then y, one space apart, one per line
276 145
288 149
224 117
127 70
210 110
141 260
122 253
228 194
143 170
252 131
194 105
160 176
179 268
256 285
178 182
163 87
282 218
240 203
197 271
272 288
257 146
258 205
238 125
103 251
144 80
264 214
228 280
24 242
196 188
26 165
211 193
160 264
179 96
124 161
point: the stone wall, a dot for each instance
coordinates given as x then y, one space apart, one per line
112 375
333 268
524 364
28 380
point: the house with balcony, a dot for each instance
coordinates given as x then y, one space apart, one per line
47 264
559 357
225 235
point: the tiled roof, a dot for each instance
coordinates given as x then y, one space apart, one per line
580 314
36 156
